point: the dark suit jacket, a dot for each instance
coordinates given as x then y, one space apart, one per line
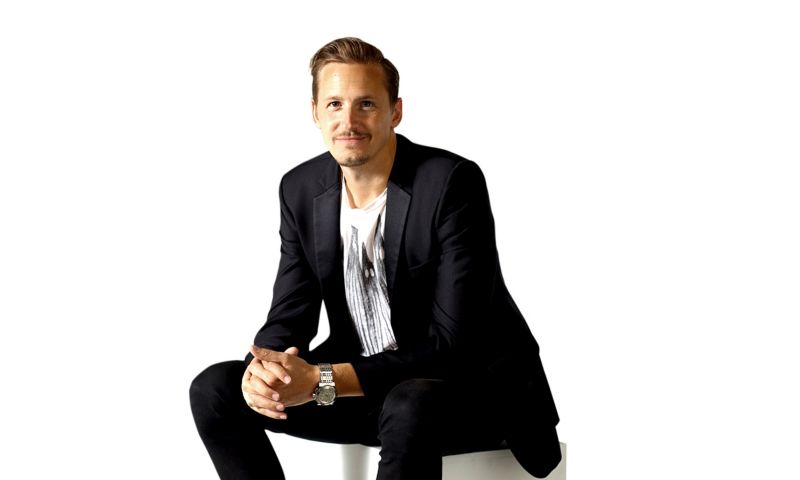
452 315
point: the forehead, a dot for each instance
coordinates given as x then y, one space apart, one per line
346 79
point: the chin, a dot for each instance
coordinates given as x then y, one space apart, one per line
350 159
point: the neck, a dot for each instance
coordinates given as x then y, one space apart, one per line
366 182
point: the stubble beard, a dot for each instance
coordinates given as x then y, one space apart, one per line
352 158
351 161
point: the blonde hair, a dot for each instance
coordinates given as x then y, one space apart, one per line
357 51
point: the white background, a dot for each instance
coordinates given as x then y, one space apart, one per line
642 161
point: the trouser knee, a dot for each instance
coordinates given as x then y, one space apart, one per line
412 405
216 393
410 430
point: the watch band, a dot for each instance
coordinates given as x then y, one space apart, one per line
325 374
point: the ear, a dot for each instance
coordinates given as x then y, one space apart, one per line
314 115
397 114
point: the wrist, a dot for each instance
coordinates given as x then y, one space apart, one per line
314 377
325 393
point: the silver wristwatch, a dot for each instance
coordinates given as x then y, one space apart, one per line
325 393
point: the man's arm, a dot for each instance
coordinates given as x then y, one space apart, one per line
275 381
296 297
291 323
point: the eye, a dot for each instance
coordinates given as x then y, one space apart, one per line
334 104
367 104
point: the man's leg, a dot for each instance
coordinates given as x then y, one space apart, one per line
425 419
234 434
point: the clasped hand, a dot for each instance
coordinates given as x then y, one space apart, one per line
276 380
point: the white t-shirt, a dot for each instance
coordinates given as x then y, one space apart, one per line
365 275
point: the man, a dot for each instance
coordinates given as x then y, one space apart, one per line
427 354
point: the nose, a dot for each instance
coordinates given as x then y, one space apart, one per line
348 116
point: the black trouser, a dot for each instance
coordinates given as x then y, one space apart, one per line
419 421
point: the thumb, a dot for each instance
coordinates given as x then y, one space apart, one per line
266 354
293 351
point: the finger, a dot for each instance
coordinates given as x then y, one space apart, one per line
254 363
277 415
293 351
277 370
257 386
255 400
267 376
265 406
270 413
246 378
267 355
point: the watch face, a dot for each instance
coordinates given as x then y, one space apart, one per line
326 394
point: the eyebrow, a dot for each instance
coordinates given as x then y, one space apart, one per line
357 99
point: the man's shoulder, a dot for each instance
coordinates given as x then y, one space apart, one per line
429 165
315 165
425 154
316 173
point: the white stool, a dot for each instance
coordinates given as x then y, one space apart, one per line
361 463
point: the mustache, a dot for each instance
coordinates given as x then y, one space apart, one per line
351 133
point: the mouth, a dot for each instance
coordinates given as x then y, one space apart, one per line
349 139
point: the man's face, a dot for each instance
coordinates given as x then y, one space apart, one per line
354 113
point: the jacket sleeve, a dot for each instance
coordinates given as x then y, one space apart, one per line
294 314
463 288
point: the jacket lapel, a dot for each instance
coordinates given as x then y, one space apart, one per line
329 259
327 239
397 201
326 232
